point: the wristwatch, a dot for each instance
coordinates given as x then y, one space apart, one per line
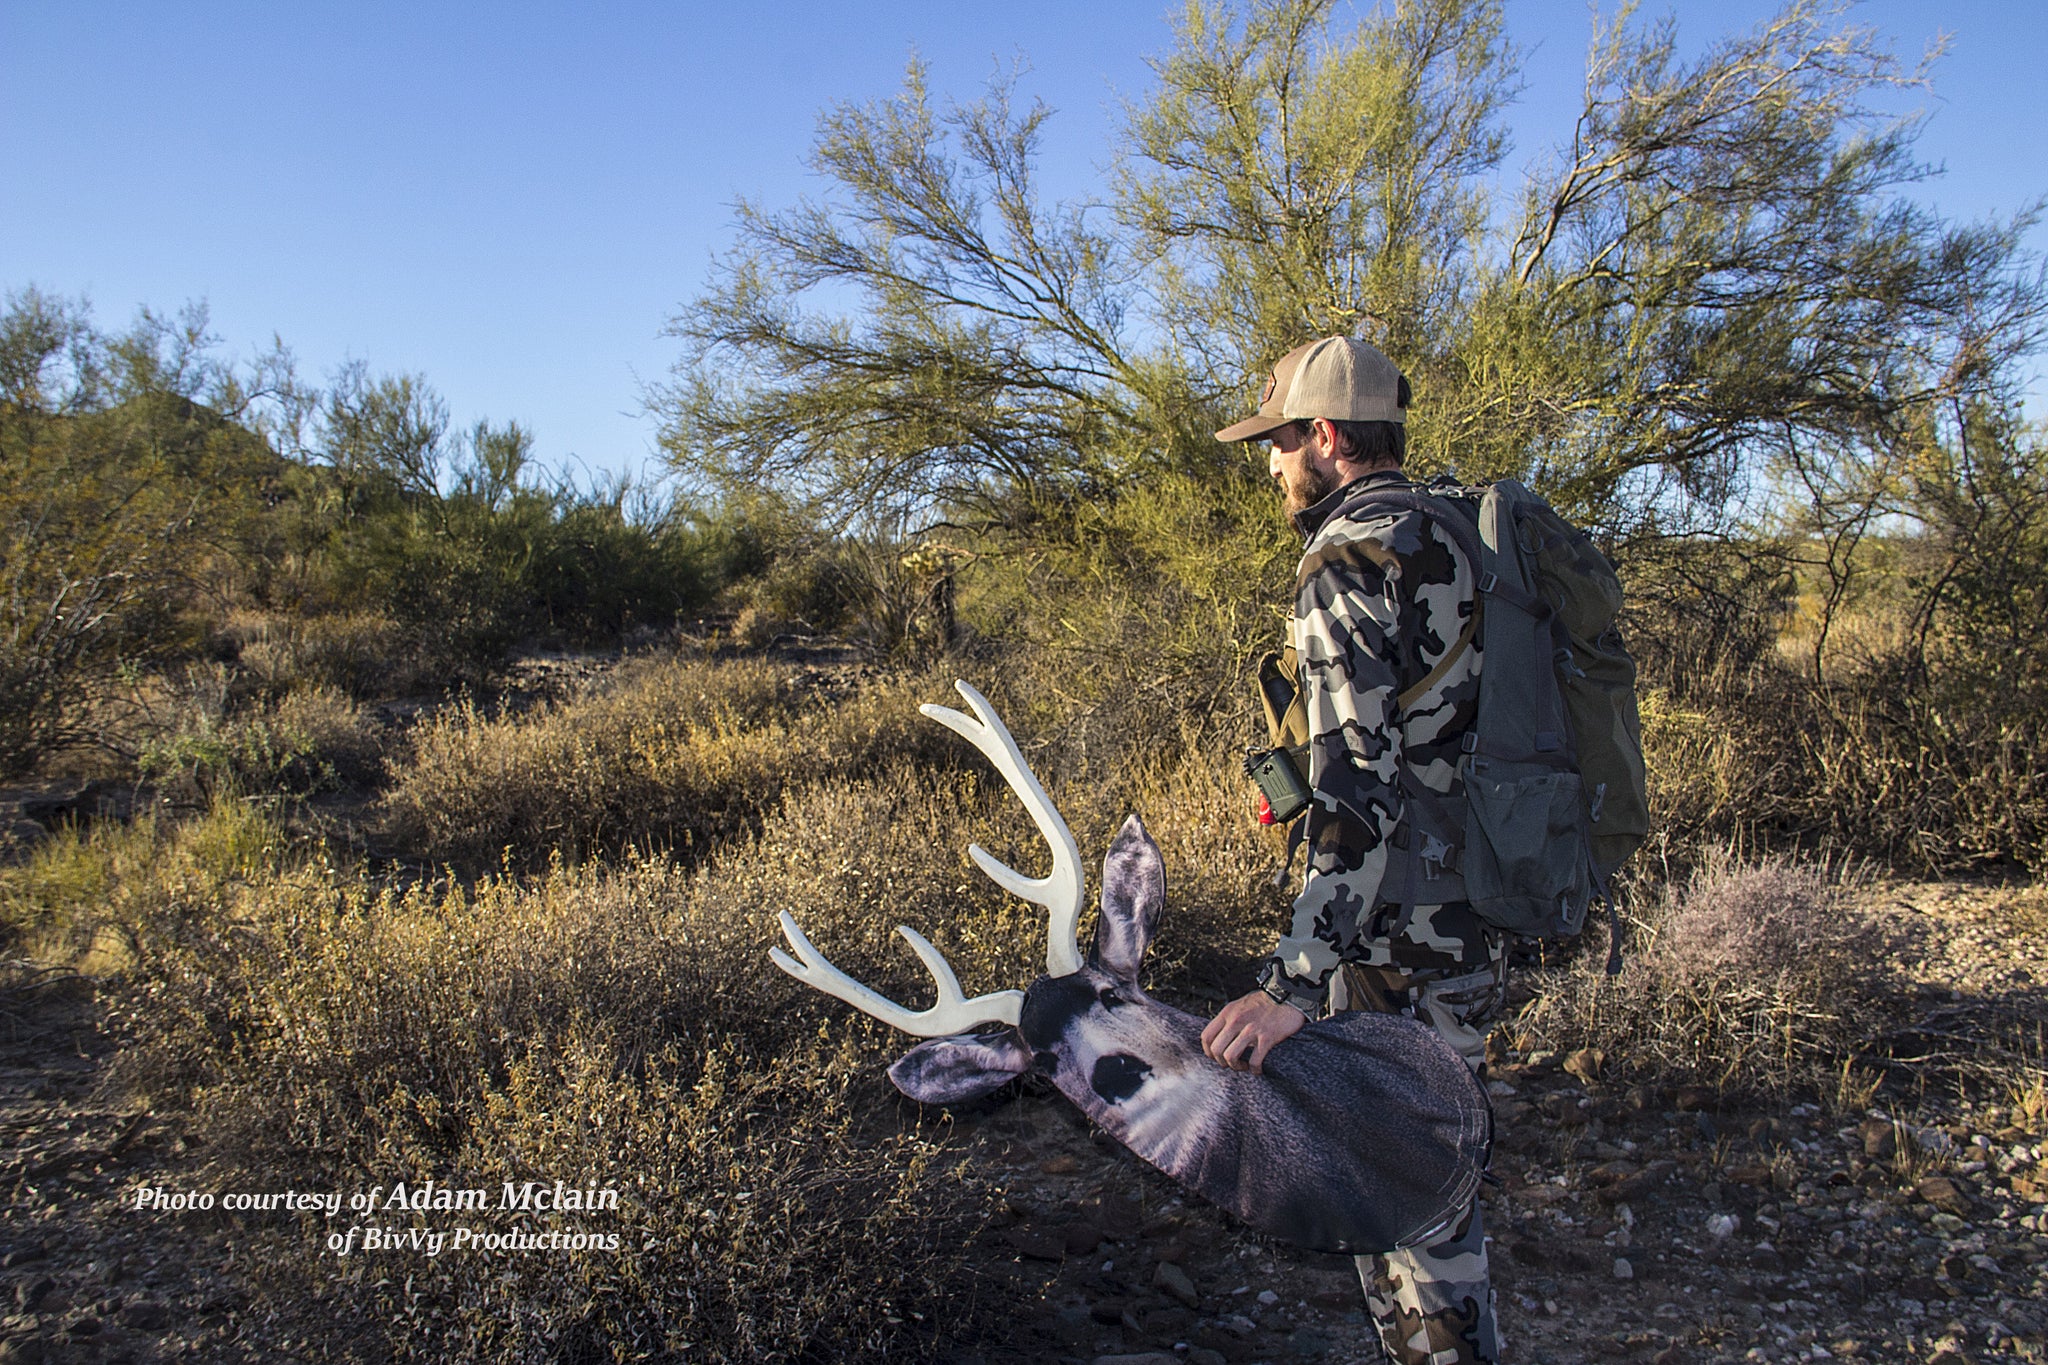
1270 985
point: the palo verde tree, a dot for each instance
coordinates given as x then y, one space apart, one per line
990 354
1717 297
1721 264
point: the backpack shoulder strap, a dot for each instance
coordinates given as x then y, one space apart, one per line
1489 544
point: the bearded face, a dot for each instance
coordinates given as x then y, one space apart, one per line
1300 466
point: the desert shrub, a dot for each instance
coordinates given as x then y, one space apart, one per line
673 753
583 1027
364 654
1741 975
79 889
310 740
1923 775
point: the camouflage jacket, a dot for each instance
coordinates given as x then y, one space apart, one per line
1381 600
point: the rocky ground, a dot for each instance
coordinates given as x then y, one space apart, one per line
1631 1221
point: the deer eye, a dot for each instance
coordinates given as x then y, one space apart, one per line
1110 999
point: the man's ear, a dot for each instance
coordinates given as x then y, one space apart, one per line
1330 441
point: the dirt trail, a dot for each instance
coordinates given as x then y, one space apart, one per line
1631 1223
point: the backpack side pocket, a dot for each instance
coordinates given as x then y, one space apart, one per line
1524 861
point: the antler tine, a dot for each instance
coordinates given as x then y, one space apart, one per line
1060 890
952 1013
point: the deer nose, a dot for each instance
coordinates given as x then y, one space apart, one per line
1051 1003
1118 1076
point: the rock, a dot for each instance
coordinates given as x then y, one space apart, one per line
1641 1183
1238 1325
1171 1280
1941 1192
1081 1237
29 1293
1622 1269
1036 1245
1173 1249
1880 1138
1117 1216
1059 1165
1168 1322
1948 1355
1308 1341
1267 1298
1585 1063
1692 1097
1140 1358
1611 1173
145 1316
1202 1355
1108 1312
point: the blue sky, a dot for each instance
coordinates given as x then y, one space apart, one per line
513 199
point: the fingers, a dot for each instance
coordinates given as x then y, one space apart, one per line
1248 1028
1221 1034
1265 1044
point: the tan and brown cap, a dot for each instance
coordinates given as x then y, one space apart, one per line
1341 378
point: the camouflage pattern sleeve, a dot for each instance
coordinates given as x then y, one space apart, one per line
1380 601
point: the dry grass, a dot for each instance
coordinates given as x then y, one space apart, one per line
361 653
599 1027
312 739
616 1022
674 754
619 1024
1743 976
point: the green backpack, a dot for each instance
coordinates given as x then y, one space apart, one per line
1556 796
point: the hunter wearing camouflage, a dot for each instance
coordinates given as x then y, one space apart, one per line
1390 671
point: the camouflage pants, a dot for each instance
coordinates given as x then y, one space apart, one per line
1433 1303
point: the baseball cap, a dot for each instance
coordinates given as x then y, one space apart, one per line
1341 378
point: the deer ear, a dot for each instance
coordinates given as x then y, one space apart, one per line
1133 893
965 1066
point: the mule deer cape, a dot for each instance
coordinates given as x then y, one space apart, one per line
1364 1132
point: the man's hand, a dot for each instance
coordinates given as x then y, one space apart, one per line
1248 1028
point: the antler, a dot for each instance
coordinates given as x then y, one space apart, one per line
953 1013
1060 890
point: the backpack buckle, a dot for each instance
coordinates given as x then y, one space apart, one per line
1488 582
1470 743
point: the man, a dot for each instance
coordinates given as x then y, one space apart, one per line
1390 673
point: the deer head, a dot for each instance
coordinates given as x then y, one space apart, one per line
1364 1131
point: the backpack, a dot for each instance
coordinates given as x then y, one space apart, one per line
1555 792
